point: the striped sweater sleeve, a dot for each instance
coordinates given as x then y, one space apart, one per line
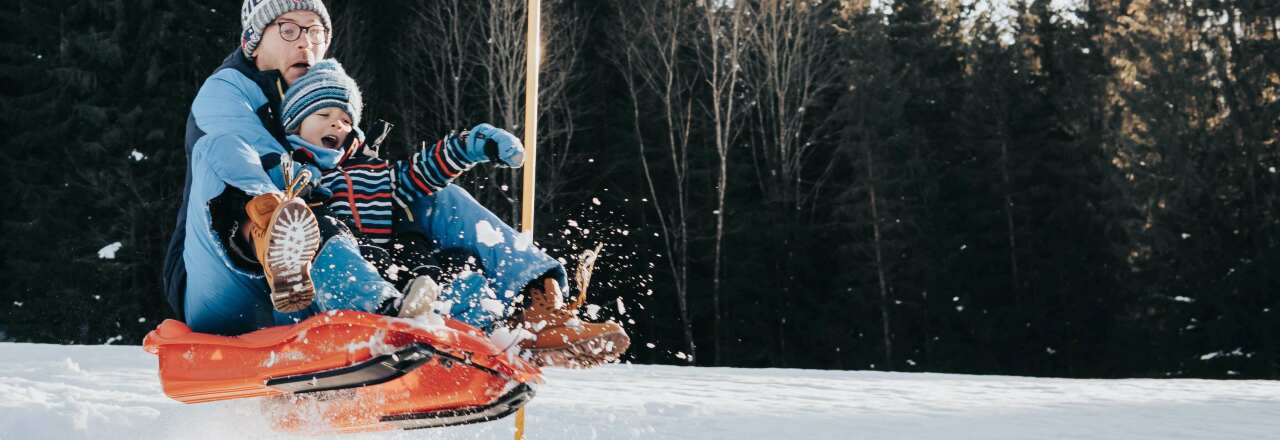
431 168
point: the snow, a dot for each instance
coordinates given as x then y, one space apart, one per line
111 392
108 252
488 235
523 241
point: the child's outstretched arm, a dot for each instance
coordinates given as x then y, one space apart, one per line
436 165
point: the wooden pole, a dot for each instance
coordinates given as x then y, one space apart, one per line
533 59
533 55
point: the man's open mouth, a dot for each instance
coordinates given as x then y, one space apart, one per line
329 141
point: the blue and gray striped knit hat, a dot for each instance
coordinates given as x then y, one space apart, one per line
326 85
255 15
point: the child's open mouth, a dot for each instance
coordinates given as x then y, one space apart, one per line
329 141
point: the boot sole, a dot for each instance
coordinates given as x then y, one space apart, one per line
294 241
587 353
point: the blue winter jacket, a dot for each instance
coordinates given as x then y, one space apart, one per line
233 122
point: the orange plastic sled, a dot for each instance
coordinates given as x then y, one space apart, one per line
348 371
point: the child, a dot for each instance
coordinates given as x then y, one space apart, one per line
386 202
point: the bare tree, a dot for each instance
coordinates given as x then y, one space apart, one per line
724 35
789 68
442 42
503 62
654 36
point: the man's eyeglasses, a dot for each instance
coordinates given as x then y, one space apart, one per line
290 31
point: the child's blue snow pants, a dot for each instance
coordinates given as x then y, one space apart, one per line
453 220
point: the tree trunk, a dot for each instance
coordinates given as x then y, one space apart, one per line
880 272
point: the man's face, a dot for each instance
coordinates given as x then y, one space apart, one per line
291 58
327 127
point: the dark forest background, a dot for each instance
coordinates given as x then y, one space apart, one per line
1078 189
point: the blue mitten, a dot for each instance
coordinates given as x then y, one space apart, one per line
488 143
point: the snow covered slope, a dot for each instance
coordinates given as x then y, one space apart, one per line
111 392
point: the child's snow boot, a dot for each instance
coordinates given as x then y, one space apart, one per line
285 240
561 339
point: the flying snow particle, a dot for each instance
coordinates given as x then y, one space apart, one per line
137 155
650 345
621 309
488 235
523 241
109 252
595 201
573 223
593 311
1183 299
493 306
681 355
1185 235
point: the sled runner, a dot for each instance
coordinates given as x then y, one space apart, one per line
353 371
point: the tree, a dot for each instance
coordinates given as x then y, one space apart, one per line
653 43
724 36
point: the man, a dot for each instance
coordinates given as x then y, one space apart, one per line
242 255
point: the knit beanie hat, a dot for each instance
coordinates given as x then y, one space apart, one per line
325 85
255 15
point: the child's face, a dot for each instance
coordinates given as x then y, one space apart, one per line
327 127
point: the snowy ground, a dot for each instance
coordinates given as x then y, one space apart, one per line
111 392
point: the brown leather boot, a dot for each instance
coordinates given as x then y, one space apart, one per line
285 240
563 340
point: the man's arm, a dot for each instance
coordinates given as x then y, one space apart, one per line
235 138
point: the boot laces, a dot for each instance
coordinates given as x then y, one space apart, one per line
586 265
293 185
